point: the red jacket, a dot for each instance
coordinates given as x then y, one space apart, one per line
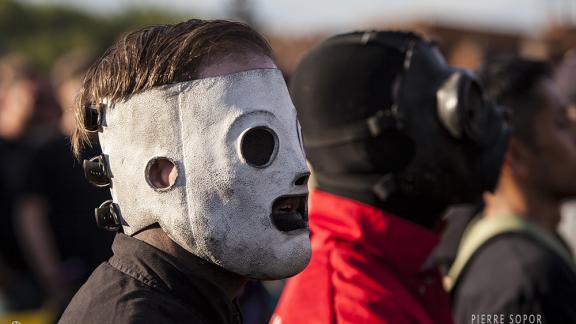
367 267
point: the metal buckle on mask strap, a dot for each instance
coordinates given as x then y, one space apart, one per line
93 116
107 216
384 187
370 127
95 171
408 53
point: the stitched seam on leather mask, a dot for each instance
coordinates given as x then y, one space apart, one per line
182 147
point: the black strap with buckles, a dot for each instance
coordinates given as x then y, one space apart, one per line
93 117
107 217
369 127
96 172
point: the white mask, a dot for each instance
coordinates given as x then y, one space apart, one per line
220 207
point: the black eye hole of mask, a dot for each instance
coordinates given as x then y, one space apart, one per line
259 146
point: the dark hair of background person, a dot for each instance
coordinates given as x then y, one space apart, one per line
512 82
161 55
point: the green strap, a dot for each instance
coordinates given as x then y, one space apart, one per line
483 229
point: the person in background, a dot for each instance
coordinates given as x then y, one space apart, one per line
27 114
511 263
564 77
394 135
54 215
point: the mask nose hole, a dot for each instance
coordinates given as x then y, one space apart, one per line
302 179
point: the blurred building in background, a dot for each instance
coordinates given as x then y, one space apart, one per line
463 46
44 30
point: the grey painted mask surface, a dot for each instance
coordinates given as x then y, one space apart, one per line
220 206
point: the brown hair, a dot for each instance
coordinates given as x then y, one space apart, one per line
160 55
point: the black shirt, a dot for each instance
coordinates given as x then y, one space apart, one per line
14 159
514 274
141 284
510 274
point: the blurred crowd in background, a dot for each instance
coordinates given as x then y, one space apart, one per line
49 242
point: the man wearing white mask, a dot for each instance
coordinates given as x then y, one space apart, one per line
203 154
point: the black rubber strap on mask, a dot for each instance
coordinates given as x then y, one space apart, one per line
370 37
381 185
367 128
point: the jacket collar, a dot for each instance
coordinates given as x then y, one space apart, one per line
406 246
161 271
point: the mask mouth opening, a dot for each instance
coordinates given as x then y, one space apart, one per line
290 213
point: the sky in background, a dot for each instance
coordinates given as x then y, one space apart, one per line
299 17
